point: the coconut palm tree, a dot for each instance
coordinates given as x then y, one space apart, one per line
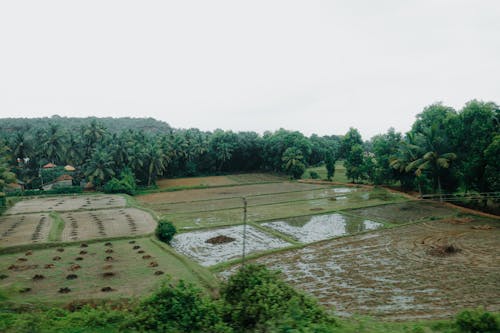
100 167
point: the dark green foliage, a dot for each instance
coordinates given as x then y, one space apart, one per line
293 162
165 231
330 161
257 298
477 321
314 175
178 308
126 183
354 163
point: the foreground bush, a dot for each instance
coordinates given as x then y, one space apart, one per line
477 321
179 308
126 184
165 231
256 298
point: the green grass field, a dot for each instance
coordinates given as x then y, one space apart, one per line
129 274
339 177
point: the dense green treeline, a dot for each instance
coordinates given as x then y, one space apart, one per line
445 150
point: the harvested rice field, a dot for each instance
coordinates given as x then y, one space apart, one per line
419 271
86 271
105 223
24 229
67 203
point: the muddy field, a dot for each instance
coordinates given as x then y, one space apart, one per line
105 223
24 229
67 203
111 269
405 212
214 181
223 192
426 270
197 245
268 212
255 200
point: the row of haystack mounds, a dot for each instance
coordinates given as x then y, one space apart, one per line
13 227
74 227
87 203
100 226
35 237
146 257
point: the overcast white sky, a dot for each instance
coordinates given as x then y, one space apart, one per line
314 66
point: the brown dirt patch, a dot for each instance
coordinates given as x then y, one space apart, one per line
136 247
109 258
108 274
316 209
24 290
153 264
107 289
107 267
147 256
84 245
140 251
60 249
74 267
22 259
220 240
109 251
483 227
49 266
20 268
64 290
159 273
83 252
71 277
38 277
56 258
444 250
28 253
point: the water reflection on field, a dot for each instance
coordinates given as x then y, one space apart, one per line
307 229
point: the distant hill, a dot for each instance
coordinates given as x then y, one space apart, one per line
112 124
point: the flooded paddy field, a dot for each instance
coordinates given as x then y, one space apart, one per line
210 247
405 212
308 229
419 271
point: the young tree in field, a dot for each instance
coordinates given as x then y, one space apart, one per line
330 160
349 140
293 162
354 163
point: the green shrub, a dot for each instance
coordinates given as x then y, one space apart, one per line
477 321
165 231
256 297
314 175
126 184
179 308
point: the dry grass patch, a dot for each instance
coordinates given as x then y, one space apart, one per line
24 229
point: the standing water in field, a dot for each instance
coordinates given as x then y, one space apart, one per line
310 229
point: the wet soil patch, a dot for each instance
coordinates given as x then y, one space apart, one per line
220 240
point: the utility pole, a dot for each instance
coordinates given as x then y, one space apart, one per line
244 230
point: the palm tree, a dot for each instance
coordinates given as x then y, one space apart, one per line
156 159
53 145
100 167
433 158
293 162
